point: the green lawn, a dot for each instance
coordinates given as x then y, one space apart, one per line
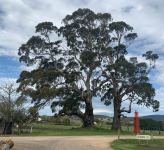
132 144
61 130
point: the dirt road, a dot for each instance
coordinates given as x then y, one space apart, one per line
63 143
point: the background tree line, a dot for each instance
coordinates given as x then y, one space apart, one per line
150 124
86 57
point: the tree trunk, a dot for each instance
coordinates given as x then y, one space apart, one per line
31 129
116 124
8 128
88 119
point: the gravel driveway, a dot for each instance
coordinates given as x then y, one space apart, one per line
63 143
66 142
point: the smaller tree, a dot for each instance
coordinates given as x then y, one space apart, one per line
33 115
20 119
11 108
7 106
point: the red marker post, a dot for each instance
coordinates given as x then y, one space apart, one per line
136 123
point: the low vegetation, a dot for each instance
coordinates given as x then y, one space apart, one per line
63 130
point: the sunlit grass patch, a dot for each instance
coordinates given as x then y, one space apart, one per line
133 144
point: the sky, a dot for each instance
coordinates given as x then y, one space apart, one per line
18 19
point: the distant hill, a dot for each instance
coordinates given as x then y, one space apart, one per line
102 116
154 117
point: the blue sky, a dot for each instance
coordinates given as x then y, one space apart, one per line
18 19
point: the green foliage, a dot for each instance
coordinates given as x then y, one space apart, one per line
66 121
33 114
42 51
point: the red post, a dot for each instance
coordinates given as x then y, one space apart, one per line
136 123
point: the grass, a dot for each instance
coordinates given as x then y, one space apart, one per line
50 129
61 130
132 144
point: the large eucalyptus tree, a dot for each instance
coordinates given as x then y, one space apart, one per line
86 34
82 59
127 78
73 65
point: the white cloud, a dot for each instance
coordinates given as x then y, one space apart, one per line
103 111
4 80
18 19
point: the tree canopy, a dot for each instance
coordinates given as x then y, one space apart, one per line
83 59
127 78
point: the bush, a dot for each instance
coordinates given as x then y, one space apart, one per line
66 121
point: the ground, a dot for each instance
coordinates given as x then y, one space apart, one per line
63 142
71 142
67 142
62 137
